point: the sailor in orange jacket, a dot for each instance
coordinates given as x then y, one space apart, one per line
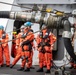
19 40
4 48
13 49
27 47
31 56
33 46
44 40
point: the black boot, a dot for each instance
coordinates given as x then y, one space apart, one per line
27 70
20 69
74 67
71 67
48 71
7 65
1 65
40 70
11 66
44 66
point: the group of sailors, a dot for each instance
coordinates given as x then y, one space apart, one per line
22 47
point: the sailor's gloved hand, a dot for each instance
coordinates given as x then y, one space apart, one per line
52 46
0 39
21 43
16 46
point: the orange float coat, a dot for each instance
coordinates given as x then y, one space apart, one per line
4 48
44 47
19 40
27 48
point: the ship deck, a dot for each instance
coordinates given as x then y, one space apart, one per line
8 71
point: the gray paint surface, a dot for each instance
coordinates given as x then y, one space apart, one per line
59 54
44 1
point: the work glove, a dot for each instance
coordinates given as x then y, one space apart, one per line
16 46
21 43
0 39
51 48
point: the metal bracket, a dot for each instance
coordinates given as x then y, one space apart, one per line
42 15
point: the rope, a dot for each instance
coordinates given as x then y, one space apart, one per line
20 37
14 5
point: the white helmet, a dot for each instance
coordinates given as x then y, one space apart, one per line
14 28
22 27
44 26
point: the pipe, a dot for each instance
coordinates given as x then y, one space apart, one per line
50 21
67 38
16 15
4 14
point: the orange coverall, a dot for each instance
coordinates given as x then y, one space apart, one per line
28 48
4 49
47 54
19 49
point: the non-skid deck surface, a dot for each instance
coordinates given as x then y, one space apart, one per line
7 71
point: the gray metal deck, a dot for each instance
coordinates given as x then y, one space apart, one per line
7 71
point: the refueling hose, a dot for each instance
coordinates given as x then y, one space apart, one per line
67 38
